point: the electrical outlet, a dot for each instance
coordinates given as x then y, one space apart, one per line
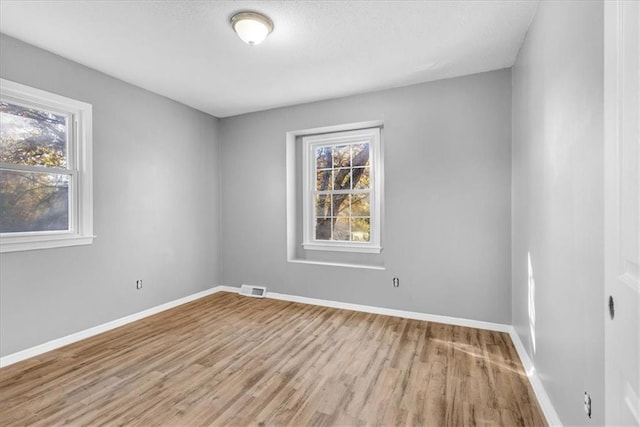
396 282
139 284
587 404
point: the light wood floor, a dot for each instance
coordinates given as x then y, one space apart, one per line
226 359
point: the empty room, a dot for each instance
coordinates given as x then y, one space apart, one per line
337 213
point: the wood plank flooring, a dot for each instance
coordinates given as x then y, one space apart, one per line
231 360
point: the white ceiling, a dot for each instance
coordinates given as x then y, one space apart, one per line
187 51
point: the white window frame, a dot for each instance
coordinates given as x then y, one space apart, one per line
79 169
309 142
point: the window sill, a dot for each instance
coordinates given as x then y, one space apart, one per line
338 264
342 248
15 244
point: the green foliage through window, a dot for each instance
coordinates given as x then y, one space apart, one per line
34 179
342 199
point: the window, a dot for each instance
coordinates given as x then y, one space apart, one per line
341 194
45 169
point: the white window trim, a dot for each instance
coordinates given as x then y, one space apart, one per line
80 166
372 136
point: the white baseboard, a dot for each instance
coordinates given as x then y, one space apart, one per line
543 398
393 312
385 311
69 339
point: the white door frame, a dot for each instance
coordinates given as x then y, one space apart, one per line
622 130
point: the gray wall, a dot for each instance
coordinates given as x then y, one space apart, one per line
558 203
447 148
156 204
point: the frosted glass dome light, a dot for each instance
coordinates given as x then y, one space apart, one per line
251 27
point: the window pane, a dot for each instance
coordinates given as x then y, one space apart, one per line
361 178
360 155
341 229
33 201
360 205
323 228
323 205
341 205
323 157
360 229
342 179
324 180
32 137
341 156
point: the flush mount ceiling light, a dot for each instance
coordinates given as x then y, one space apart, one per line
251 27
